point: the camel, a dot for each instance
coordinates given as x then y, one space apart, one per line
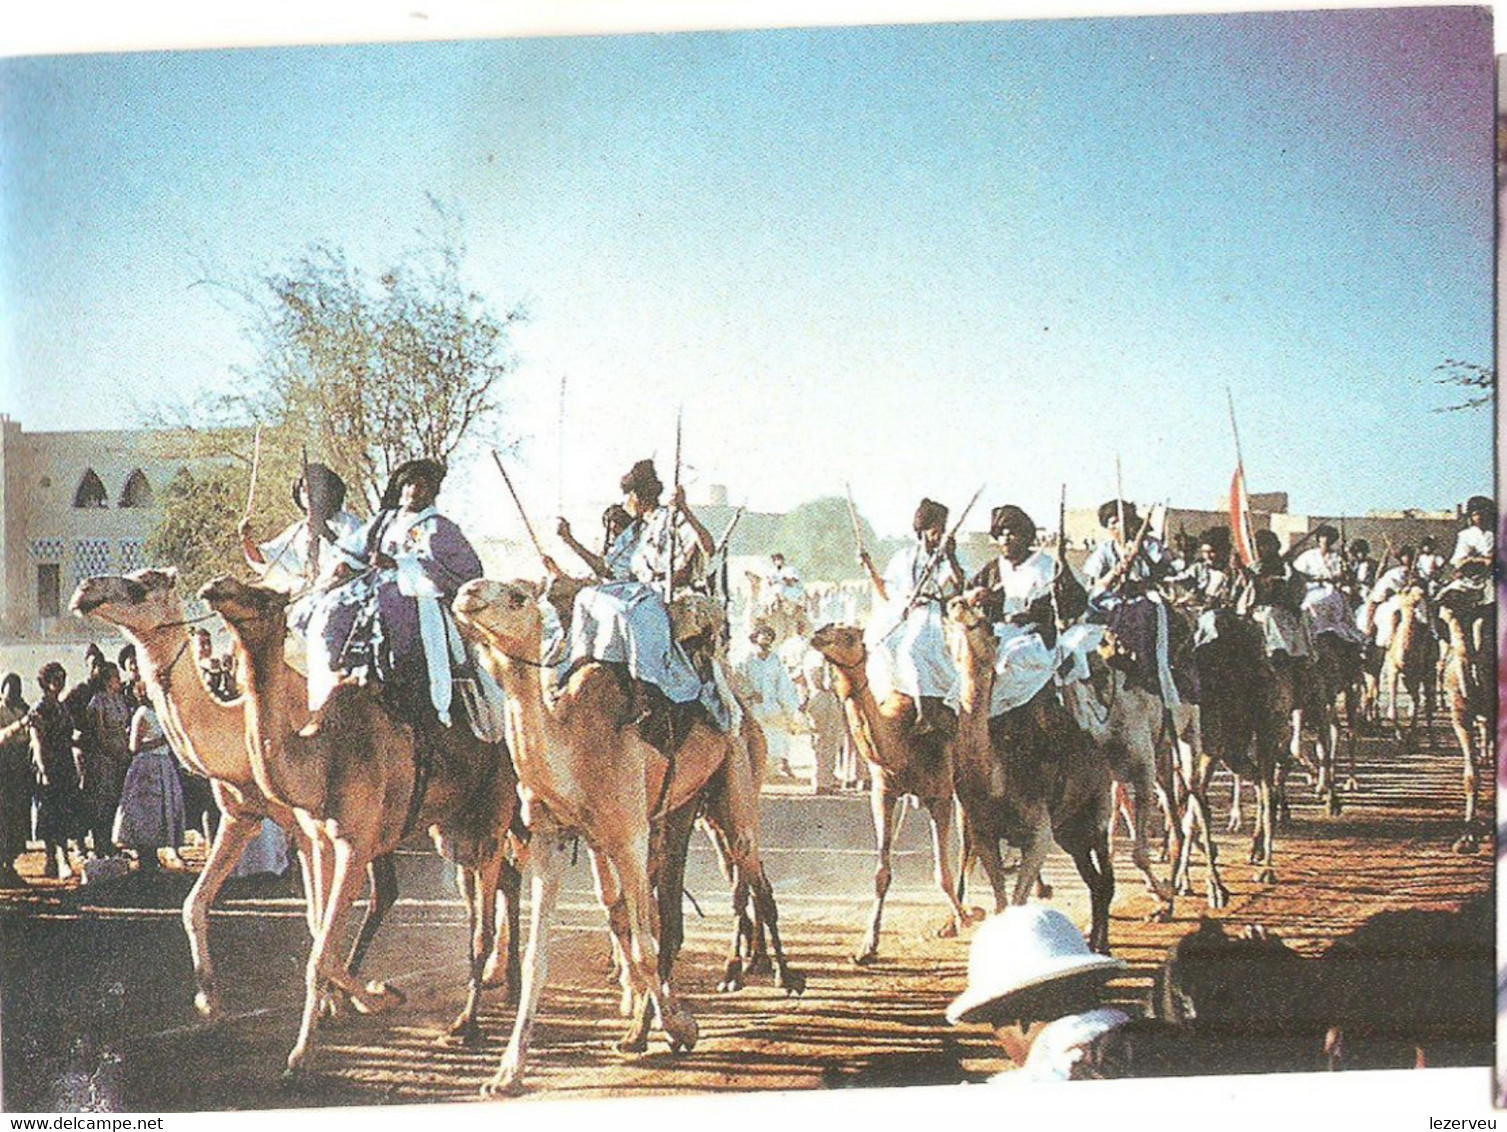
1246 707
727 815
585 772
209 735
898 766
361 780
1468 692
1409 661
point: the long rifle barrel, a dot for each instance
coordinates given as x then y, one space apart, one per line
518 503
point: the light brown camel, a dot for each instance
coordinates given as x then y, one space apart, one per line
1468 692
361 781
728 810
583 771
1409 660
209 735
883 734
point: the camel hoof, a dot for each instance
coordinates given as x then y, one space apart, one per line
1467 845
507 1082
948 929
631 1044
759 965
793 982
974 915
1043 890
1266 875
494 974
1162 914
1334 804
464 1030
1351 786
1219 896
379 997
207 1003
864 958
732 979
681 1031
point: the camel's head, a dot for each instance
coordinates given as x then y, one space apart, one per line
139 601
969 632
842 645
502 615
245 608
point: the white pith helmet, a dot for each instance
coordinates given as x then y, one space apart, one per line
1019 949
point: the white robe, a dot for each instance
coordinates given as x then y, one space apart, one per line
908 648
1024 665
1324 607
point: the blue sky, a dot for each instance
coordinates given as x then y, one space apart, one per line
913 258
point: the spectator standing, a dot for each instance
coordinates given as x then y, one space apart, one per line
15 779
106 756
55 773
151 814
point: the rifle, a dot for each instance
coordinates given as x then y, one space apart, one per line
853 515
674 515
522 514
311 567
721 549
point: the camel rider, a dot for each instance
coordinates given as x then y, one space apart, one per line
1273 598
1014 590
915 587
1360 572
1324 605
1470 593
615 520
1123 596
389 619
625 620
1383 603
304 553
781 582
1430 562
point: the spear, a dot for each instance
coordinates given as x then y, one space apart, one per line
314 524
256 463
853 514
522 514
674 513
560 454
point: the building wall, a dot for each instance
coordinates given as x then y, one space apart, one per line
40 474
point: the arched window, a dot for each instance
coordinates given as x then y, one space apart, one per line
91 493
137 492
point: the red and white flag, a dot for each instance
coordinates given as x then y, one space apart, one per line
1240 518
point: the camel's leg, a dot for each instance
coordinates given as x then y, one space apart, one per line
231 839
670 887
1266 805
940 810
1464 728
767 913
1235 821
502 967
324 965
986 851
1196 820
630 857
1138 771
885 809
1033 856
478 888
383 874
546 863
1091 857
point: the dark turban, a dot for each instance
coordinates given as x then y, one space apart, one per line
326 491
431 472
1482 504
1324 529
1217 539
1011 518
643 481
929 514
1111 510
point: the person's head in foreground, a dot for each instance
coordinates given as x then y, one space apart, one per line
1033 979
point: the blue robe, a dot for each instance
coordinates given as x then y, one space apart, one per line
395 625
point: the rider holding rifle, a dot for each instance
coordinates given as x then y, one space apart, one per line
917 587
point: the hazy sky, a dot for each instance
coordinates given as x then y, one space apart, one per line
915 258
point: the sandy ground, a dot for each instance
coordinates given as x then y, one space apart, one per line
97 996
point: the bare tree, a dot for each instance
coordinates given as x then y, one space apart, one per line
1479 382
